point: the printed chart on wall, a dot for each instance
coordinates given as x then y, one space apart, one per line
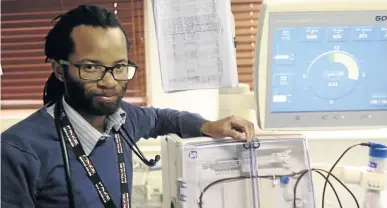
195 44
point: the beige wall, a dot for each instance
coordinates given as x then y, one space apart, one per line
11 117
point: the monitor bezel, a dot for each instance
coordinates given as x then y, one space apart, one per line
307 120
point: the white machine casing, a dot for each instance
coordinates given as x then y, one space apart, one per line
238 101
318 10
191 164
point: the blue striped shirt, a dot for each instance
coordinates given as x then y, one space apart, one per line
88 135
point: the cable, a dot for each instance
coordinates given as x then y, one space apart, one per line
301 173
240 178
338 180
334 165
333 188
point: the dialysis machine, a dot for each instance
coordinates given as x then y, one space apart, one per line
320 65
205 173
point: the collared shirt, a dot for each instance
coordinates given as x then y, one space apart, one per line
88 135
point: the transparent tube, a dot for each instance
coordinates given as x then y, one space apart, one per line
373 198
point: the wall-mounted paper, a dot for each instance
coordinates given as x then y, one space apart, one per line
195 44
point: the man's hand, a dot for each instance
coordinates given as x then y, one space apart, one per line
232 126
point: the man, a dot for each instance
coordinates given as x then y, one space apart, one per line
88 50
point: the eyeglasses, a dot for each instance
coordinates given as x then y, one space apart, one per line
235 42
95 72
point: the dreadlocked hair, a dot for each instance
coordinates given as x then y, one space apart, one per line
59 44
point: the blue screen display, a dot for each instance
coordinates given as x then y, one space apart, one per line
321 69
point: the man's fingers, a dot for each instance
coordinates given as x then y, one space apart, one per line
245 126
235 134
251 130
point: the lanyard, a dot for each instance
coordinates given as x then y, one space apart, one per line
106 199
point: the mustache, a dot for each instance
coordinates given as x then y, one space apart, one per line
118 91
108 93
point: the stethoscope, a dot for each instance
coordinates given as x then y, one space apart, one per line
136 150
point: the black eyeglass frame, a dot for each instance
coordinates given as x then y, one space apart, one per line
107 68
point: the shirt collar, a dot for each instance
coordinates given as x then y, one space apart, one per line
88 135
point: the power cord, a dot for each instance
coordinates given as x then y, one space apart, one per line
333 188
329 174
334 165
301 173
231 179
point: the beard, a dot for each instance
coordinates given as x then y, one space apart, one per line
81 99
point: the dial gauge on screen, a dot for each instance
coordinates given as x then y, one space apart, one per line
332 75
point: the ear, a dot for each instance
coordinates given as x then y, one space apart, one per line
58 70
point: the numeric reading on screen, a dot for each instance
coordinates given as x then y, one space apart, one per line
329 68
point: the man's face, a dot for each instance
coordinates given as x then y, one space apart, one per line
96 45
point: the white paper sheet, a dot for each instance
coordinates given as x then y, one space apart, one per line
195 44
